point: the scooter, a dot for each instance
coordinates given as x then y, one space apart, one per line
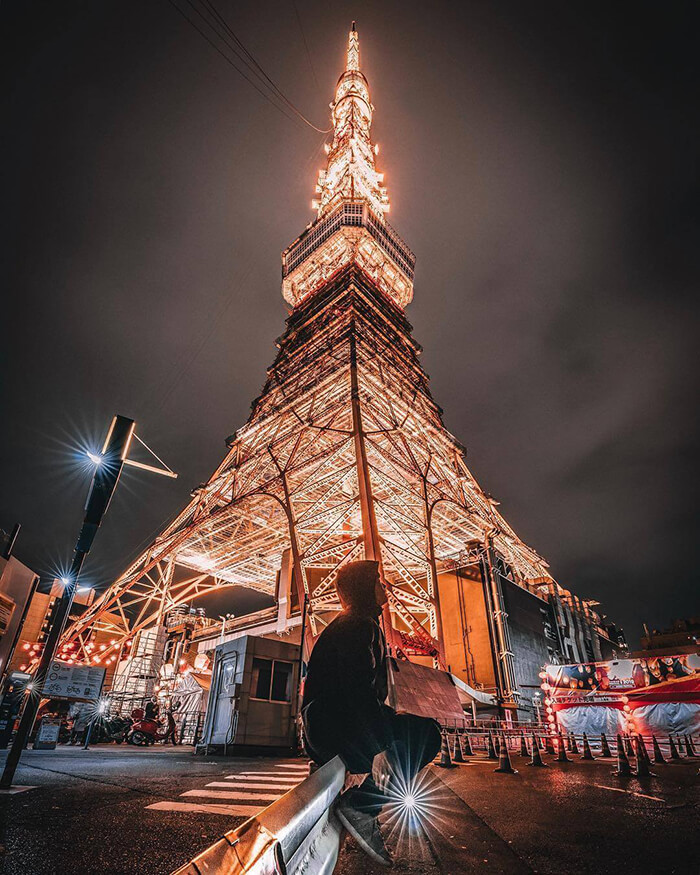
147 731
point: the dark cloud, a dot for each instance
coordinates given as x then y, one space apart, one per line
542 162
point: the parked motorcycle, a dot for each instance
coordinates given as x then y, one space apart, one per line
147 731
115 729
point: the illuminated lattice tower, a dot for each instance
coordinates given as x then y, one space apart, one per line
345 454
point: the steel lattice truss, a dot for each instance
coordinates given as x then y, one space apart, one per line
346 400
345 454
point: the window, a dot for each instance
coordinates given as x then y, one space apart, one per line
272 680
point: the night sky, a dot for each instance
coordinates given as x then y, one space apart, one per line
542 162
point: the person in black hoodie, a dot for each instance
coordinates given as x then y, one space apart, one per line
344 711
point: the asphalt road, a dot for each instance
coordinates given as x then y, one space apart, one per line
124 810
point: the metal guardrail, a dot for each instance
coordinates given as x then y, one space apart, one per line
297 834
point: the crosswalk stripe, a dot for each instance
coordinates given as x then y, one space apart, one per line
245 785
283 776
273 782
201 808
225 794
293 766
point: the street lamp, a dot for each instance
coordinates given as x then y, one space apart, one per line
108 468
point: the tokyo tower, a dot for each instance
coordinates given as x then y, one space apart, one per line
345 454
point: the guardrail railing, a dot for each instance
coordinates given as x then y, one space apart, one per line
297 834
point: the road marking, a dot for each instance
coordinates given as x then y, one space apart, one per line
273 782
225 794
200 808
246 785
283 776
292 766
630 792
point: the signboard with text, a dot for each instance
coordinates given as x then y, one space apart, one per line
65 681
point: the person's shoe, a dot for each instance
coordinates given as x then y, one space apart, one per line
364 829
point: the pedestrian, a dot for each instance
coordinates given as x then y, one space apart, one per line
171 726
81 720
345 714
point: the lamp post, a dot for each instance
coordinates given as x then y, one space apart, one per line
108 468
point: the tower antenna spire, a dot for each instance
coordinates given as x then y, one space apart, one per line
353 59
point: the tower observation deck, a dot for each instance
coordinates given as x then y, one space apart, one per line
345 454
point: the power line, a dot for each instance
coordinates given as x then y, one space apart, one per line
306 45
265 85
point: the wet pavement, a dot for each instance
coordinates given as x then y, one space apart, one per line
123 810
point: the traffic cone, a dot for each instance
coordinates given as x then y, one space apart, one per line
587 752
549 745
645 752
604 746
629 750
536 759
504 763
491 750
573 746
674 750
643 770
658 756
689 749
497 745
445 758
561 754
524 752
692 745
458 756
623 764
467 745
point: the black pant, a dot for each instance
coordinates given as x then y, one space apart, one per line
410 742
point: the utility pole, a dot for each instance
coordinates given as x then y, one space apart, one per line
108 468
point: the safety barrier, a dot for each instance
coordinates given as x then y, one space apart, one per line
298 833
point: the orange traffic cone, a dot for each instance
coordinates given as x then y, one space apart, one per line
445 758
573 746
458 756
467 745
587 752
504 763
561 753
491 750
689 749
623 764
536 759
629 750
658 756
674 750
643 770
604 746
549 745
524 752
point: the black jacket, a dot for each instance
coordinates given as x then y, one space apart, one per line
347 674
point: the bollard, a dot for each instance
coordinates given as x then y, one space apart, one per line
457 756
491 751
623 764
445 758
674 750
536 759
573 746
561 755
524 752
504 764
643 770
658 756
587 752
604 746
